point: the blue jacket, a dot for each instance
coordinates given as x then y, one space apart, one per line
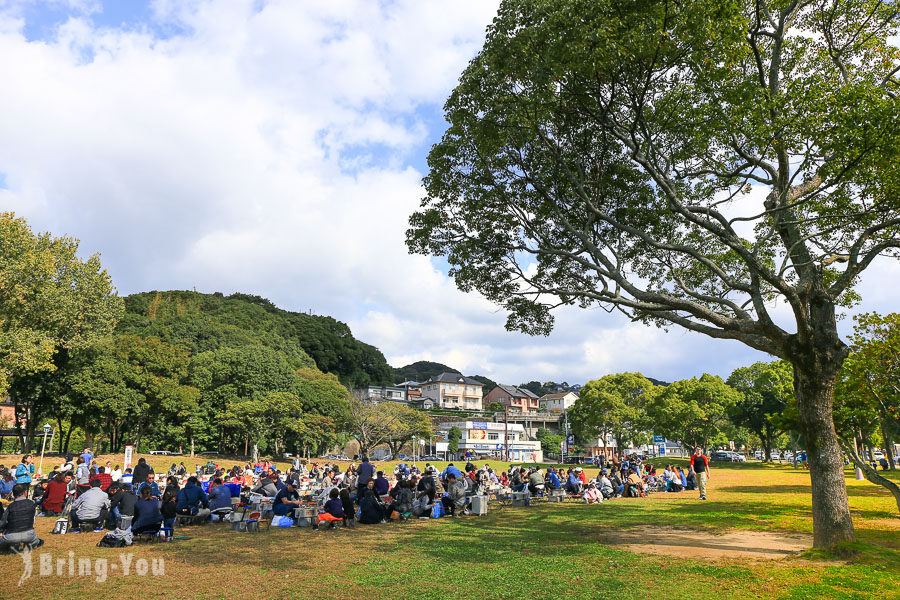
154 489
554 481
192 496
219 497
146 512
24 473
364 473
451 469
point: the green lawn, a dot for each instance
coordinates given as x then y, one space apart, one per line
546 551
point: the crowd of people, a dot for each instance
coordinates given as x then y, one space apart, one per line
96 496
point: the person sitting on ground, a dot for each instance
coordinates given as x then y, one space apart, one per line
371 511
173 470
515 481
579 472
182 470
536 482
104 477
7 481
220 498
347 503
334 510
456 501
128 477
573 483
592 495
635 485
617 483
116 473
422 505
673 483
681 478
17 521
55 496
606 486
265 486
121 503
147 516
426 484
403 500
285 501
150 483
553 481
382 486
691 479
90 507
192 500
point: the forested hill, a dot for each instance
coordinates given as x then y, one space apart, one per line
211 321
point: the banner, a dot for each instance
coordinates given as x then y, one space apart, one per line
128 451
477 434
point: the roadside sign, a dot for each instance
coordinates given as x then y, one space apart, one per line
128 452
662 450
732 444
658 439
562 447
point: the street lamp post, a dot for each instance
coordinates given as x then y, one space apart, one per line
47 429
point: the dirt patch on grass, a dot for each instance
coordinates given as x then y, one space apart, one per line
688 543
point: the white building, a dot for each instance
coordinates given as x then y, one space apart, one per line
381 393
482 437
559 401
455 391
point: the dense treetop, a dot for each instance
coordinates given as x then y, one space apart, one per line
205 322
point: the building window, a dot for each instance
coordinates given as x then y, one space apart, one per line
493 436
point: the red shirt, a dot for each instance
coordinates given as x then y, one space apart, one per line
55 496
702 464
105 480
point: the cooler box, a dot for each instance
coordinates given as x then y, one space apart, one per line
479 505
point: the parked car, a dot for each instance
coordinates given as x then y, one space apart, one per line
160 452
738 457
720 456
759 455
429 457
877 455
775 455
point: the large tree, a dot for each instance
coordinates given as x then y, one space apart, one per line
767 390
682 162
613 405
50 300
694 411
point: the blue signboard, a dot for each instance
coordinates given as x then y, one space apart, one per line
479 425
658 439
571 439
662 450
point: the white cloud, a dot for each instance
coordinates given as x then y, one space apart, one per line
265 148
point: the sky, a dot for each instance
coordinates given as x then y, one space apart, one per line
277 148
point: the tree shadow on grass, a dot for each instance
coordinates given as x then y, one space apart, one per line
854 490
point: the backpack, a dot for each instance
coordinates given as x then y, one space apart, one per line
111 541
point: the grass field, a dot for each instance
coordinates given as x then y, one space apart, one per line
545 551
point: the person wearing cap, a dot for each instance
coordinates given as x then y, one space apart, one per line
285 501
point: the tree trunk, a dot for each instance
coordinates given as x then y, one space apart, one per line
888 445
254 458
192 446
814 389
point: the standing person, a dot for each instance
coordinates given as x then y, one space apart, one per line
700 464
365 472
141 470
25 470
88 456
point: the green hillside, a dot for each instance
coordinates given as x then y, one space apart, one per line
212 321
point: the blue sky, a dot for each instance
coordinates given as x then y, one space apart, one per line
277 148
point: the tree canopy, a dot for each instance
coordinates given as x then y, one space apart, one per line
49 299
614 405
205 322
684 163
